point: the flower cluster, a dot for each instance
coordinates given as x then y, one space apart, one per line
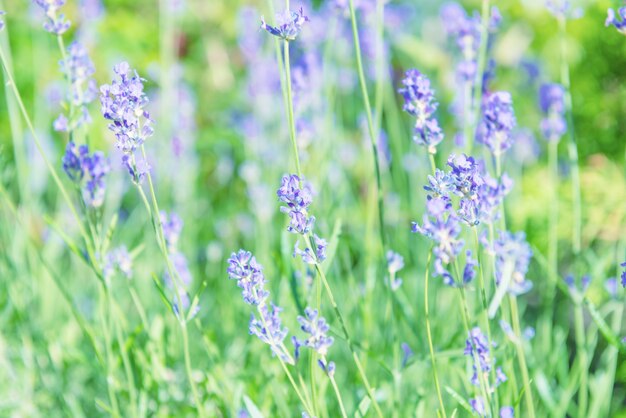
513 256
123 103
619 24
623 276
297 199
552 104
2 13
172 226
55 21
288 24
419 101
119 260
87 171
79 70
467 32
477 346
495 130
243 267
317 329
480 194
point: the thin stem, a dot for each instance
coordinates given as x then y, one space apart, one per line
132 390
553 240
107 342
337 393
292 123
194 390
581 348
346 335
521 356
433 166
370 125
433 359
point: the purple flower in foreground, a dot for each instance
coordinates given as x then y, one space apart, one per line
623 276
317 328
419 101
498 122
269 329
329 368
2 13
288 24
55 21
618 23
478 405
243 267
552 103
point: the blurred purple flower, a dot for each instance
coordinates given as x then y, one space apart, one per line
270 330
619 24
55 21
317 328
243 267
498 122
288 24
552 104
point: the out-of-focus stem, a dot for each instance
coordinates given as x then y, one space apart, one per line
521 357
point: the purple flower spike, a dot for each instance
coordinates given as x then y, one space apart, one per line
269 329
552 103
243 267
623 276
317 328
419 101
288 24
87 171
498 122
55 21
2 13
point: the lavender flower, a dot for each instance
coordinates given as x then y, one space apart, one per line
172 227
243 267
79 71
123 103
443 228
419 101
552 104
477 347
478 405
407 353
619 24
298 200
317 328
496 128
562 9
55 22
118 259
328 368
288 24
469 271
2 13
269 329
87 171
623 276
306 254
513 256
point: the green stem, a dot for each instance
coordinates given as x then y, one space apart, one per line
337 393
553 241
433 359
370 126
110 378
581 348
521 356
292 123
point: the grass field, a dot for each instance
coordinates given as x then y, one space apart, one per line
329 208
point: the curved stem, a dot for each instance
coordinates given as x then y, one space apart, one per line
337 393
292 123
521 356
433 359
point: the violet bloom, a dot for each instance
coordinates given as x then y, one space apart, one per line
478 405
513 256
78 69
55 21
172 226
495 130
88 172
395 262
309 257
623 276
419 101
507 412
118 260
2 13
270 330
298 200
317 328
123 103
477 347
288 24
618 23
243 267
552 104
441 226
